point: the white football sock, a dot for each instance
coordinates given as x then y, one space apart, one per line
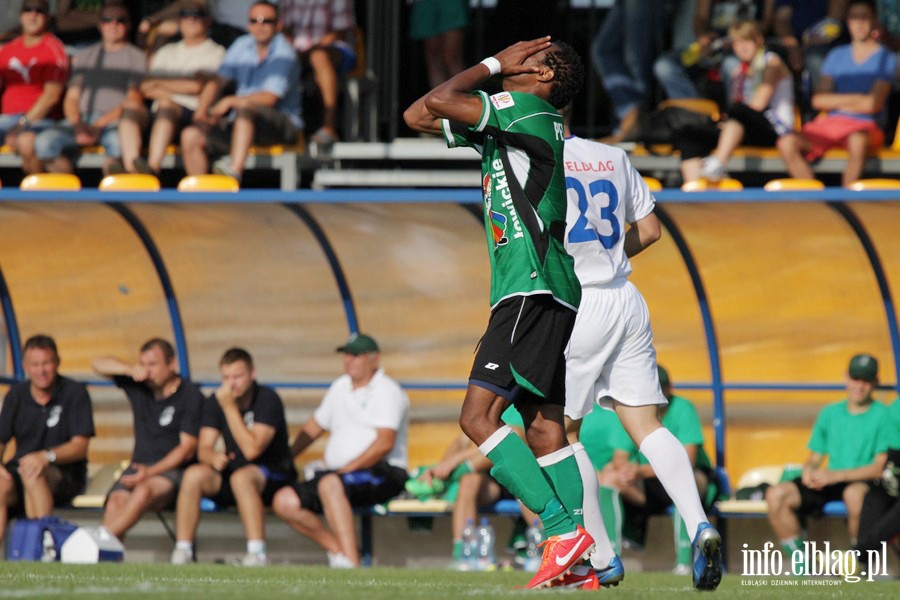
672 467
593 520
256 547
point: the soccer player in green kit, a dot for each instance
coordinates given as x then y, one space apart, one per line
534 290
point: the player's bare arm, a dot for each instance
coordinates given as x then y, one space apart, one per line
453 100
641 235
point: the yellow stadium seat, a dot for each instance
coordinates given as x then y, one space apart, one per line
56 182
700 105
874 184
653 183
209 183
789 184
704 185
129 182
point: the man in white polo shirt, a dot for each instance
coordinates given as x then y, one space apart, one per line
366 413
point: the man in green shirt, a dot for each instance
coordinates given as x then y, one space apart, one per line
852 435
534 290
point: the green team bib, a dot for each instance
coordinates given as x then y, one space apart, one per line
520 138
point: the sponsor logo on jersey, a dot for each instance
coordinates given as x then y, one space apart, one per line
248 419
502 100
492 366
501 186
165 418
486 188
498 228
53 417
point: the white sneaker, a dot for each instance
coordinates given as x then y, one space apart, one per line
339 560
681 570
252 559
181 557
712 169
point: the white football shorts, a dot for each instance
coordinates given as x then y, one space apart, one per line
611 354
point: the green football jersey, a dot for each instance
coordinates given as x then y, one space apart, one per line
520 138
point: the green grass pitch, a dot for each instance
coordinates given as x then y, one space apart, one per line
36 580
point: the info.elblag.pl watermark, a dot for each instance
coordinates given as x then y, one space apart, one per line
813 560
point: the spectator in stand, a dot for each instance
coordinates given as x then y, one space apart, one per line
33 72
762 102
166 410
441 26
678 69
264 109
805 30
177 73
853 434
254 463
51 420
641 490
366 414
855 83
623 52
76 23
229 22
104 76
320 31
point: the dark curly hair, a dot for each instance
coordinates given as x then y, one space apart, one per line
569 74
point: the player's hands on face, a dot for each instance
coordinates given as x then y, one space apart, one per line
138 475
511 58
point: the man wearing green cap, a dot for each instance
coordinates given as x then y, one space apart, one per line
852 434
366 414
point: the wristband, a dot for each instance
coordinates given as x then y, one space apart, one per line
492 64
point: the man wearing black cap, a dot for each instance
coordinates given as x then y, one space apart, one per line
365 412
852 433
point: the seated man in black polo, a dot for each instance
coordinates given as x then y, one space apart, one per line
166 411
255 464
51 420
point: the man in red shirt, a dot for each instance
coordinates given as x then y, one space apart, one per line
33 72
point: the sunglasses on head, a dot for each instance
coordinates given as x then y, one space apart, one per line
262 21
119 20
34 9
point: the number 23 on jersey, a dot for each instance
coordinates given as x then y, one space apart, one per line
582 231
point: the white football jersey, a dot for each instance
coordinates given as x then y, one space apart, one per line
604 193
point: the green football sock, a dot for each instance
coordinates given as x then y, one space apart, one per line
682 540
457 549
611 510
516 469
790 546
565 478
464 468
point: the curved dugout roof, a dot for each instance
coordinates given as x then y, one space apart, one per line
791 290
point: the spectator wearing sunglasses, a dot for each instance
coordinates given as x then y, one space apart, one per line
104 76
33 72
264 109
176 75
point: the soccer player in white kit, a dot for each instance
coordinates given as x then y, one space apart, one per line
611 360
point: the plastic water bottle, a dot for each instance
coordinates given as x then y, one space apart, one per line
534 535
49 553
469 547
487 558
